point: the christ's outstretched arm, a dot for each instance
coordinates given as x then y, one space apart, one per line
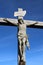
29 22
34 24
8 21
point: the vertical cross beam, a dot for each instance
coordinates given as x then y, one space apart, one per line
20 14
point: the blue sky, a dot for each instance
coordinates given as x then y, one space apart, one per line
8 34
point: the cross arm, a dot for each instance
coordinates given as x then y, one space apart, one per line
8 21
34 24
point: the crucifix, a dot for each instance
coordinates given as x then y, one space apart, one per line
23 41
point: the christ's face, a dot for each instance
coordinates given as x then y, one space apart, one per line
20 21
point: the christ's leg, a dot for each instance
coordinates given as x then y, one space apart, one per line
20 50
23 56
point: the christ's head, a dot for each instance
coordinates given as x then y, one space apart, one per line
20 21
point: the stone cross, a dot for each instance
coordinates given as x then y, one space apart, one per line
22 36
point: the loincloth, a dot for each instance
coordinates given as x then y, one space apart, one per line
22 36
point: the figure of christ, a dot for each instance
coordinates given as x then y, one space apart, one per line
22 39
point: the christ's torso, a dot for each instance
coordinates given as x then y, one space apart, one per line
22 29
